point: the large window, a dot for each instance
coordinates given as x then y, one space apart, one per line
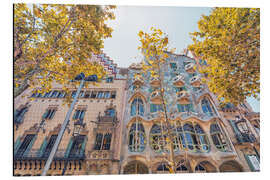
158 138
196 138
179 138
49 146
218 137
202 139
137 107
207 107
79 114
26 144
163 168
181 167
156 108
77 146
49 113
19 115
103 142
185 107
137 139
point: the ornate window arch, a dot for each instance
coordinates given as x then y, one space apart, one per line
207 107
136 138
200 169
137 107
218 137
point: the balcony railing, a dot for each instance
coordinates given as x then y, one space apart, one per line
245 138
59 155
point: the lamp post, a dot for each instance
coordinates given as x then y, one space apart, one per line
81 77
242 126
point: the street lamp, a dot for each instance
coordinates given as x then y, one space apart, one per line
242 126
81 77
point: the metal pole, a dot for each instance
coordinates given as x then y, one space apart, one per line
61 133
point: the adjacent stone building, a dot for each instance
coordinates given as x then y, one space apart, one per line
95 151
124 130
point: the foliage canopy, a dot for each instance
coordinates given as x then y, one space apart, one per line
229 40
52 43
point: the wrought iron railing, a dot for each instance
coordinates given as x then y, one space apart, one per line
60 154
244 138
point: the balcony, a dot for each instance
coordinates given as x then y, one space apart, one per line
154 81
245 138
59 155
179 81
156 97
32 161
195 81
138 80
107 119
190 68
183 97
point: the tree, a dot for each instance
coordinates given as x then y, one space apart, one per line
229 40
155 49
52 43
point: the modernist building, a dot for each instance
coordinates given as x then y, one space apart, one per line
207 138
124 130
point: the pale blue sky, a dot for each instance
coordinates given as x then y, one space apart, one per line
177 22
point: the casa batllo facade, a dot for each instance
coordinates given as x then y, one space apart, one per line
124 130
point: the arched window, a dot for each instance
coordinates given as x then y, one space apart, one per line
207 107
136 167
196 138
218 137
137 107
137 139
190 135
163 168
181 167
158 139
200 169
179 139
203 142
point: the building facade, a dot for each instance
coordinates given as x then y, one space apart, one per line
207 138
124 130
96 150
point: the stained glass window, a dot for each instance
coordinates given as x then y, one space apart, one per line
137 107
137 140
207 107
218 137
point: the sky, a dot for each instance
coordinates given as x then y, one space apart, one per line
176 22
